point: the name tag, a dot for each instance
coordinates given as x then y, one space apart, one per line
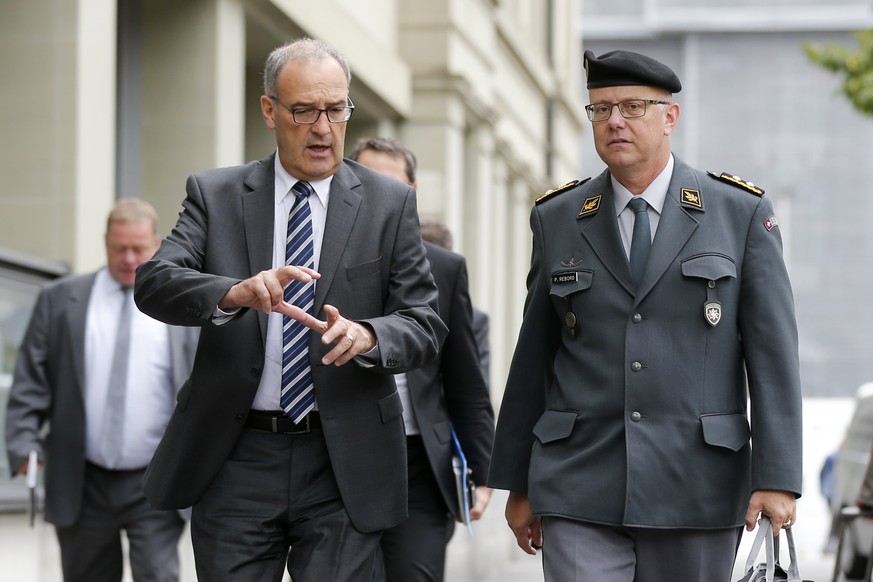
565 277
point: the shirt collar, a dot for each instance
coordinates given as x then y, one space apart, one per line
284 181
655 194
106 284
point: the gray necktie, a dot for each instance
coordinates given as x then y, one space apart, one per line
113 422
642 238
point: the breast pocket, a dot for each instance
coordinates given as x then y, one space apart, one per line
366 281
714 274
711 267
566 286
565 283
364 269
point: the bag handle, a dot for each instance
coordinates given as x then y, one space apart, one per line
793 569
772 558
756 546
765 537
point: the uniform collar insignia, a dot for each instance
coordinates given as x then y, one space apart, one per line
691 198
590 206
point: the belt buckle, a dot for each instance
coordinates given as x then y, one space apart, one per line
275 421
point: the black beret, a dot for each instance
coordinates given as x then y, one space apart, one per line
628 68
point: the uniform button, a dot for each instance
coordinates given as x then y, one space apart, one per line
637 318
636 366
255 372
636 416
711 284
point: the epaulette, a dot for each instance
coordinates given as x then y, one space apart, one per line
738 182
559 189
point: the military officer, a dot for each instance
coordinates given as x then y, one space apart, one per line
658 304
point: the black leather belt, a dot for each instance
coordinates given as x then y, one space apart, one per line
277 422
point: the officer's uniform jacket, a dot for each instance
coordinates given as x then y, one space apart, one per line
629 406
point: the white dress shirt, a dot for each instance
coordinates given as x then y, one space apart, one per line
267 397
151 395
409 420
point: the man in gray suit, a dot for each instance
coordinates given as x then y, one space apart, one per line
63 379
623 436
291 435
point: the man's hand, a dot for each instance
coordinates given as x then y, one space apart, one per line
266 290
527 528
779 506
350 338
483 496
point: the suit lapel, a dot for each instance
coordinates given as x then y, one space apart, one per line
674 228
342 210
259 207
77 316
601 232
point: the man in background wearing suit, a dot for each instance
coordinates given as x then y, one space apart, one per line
658 303
434 231
308 279
448 392
63 378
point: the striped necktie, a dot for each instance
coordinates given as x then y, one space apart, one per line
298 397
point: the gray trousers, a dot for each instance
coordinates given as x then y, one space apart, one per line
277 493
576 551
113 501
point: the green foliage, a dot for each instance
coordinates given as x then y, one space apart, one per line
857 67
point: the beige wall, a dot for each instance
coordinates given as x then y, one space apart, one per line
58 83
193 118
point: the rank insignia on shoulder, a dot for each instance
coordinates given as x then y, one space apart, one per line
590 206
559 189
692 198
737 181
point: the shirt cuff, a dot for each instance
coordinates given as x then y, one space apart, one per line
368 359
220 317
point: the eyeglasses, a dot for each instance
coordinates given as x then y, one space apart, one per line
629 109
310 115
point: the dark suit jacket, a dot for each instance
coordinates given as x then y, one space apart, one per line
450 390
632 410
480 330
373 269
49 386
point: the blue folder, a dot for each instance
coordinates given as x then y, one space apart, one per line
465 489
